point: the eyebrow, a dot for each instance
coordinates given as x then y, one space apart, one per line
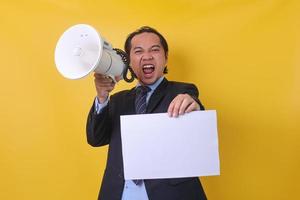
137 48
156 45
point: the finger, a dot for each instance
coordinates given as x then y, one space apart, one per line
118 78
107 88
102 77
172 105
104 82
170 109
184 105
97 75
177 103
104 85
192 107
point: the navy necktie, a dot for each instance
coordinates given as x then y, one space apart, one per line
140 99
140 108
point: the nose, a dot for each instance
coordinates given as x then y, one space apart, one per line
147 56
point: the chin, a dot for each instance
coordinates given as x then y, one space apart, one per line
148 81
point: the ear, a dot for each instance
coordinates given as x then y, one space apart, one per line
166 70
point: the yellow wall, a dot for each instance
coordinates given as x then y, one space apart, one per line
243 55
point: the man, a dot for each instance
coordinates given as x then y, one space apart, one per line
148 55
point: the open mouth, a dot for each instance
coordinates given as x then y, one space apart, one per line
148 69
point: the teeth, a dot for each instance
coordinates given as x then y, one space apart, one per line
147 66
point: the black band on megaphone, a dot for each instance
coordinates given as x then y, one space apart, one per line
124 57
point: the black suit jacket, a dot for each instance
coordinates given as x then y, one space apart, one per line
104 128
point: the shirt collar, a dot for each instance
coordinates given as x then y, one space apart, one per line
154 85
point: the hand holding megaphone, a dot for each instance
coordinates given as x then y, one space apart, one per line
104 85
81 50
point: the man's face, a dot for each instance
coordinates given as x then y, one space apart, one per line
147 58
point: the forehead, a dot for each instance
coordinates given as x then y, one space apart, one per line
145 40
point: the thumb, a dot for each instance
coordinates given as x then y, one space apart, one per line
118 78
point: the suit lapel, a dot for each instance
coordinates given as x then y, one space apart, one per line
130 102
157 95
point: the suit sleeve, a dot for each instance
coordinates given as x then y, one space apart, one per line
98 127
192 90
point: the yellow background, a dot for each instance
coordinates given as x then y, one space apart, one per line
244 56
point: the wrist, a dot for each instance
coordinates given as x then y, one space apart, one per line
101 99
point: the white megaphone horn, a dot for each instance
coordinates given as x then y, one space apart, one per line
81 50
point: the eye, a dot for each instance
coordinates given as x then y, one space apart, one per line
155 49
138 51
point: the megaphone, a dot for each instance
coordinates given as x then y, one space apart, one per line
81 50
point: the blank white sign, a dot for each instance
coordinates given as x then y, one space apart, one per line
158 146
